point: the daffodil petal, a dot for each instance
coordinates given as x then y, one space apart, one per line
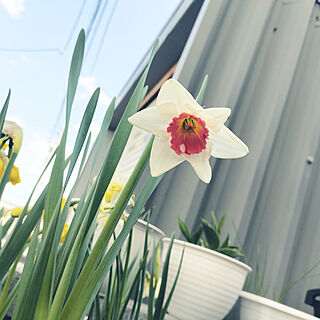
214 117
173 91
201 165
14 131
227 145
152 119
162 157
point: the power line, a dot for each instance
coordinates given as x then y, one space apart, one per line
105 31
73 29
88 32
98 22
40 50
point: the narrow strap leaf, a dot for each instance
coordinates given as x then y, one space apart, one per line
4 110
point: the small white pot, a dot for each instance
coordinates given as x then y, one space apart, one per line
253 307
137 244
209 282
138 236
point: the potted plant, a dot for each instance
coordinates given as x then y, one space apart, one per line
256 306
211 277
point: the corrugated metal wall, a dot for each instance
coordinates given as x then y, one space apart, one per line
262 58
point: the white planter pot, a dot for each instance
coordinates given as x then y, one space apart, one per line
137 244
253 307
138 236
209 282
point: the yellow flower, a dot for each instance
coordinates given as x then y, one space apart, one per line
14 177
12 130
156 285
15 212
113 190
64 232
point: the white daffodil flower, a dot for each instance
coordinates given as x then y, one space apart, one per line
184 131
12 130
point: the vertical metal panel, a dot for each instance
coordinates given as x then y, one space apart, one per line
262 60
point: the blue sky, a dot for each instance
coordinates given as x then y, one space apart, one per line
37 39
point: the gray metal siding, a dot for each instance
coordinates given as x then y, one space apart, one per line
262 58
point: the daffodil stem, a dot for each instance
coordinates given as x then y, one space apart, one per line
9 280
69 310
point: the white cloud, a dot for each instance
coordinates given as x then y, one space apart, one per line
89 84
13 7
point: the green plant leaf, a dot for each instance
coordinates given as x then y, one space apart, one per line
225 244
195 237
83 130
212 236
74 72
202 90
84 158
184 230
135 284
162 291
9 301
215 222
7 225
6 287
93 283
140 287
19 237
151 299
4 110
6 174
165 308
120 138
27 271
112 158
220 224
233 253
31 299
20 233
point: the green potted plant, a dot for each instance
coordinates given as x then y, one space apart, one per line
210 273
254 304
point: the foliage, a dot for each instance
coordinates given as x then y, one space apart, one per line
212 237
127 281
62 280
257 284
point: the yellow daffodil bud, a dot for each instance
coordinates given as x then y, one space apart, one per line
64 232
155 283
3 163
12 130
15 212
14 177
113 188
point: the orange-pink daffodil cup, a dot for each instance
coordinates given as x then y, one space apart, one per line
184 131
